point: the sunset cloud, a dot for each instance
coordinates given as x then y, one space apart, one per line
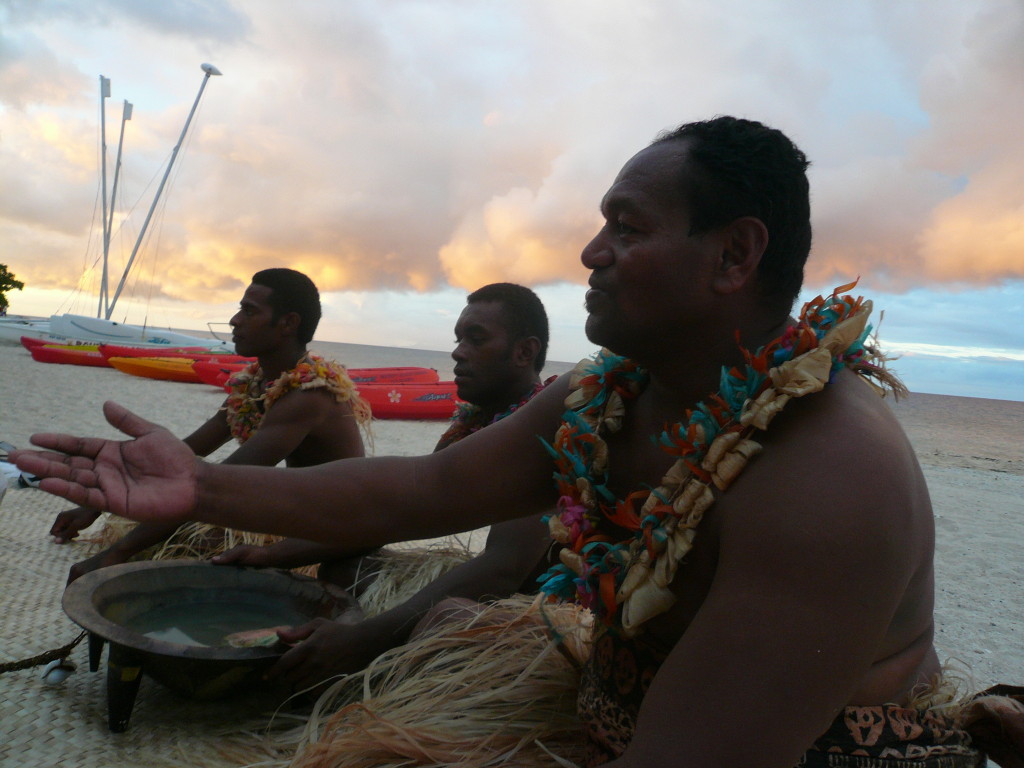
408 147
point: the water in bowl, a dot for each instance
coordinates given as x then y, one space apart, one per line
208 623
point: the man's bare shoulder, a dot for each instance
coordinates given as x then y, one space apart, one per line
836 463
306 427
319 401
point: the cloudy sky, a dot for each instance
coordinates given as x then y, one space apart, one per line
402 152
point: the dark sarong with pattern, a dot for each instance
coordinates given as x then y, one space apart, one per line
890 735
620 671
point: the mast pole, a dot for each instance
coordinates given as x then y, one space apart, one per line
209 70
126 115
104 95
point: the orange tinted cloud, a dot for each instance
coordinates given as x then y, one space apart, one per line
376 152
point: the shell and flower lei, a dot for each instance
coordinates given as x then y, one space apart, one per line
471 418
248 401
627 582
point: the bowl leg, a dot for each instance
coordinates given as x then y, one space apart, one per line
124 673
95 651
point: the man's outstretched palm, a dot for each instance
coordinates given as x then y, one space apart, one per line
151 477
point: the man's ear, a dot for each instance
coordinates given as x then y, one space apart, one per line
289 323
526 350
743 244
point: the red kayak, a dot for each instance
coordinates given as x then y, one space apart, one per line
396 375
28 342
52 353
194 353
217 374
411 401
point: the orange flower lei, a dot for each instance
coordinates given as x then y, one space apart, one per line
628 582
247 402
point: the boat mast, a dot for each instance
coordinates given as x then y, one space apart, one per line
209 70
104 95
108 228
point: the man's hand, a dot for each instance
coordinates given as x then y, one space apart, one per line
70 522
324 649
247 554
151 477
101 560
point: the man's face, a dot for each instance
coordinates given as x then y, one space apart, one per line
649 278
484 355
253 329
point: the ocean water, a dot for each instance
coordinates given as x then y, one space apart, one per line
971 432
963 431
367 356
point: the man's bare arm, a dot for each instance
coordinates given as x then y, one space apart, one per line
286 553
282 431
514 551
818 541
210 435
495 474
498 473
285 426
203 441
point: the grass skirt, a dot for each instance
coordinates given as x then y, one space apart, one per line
493 690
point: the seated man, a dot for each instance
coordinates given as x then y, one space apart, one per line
501 344
267 411
740 511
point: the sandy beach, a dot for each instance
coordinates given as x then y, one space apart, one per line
968 448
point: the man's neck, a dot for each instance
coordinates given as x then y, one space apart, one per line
690 374
281 360
513 396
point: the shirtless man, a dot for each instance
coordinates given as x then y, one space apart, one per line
501 341
277 317
809 585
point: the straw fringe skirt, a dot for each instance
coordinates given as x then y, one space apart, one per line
493 690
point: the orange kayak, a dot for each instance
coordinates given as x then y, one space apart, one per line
163 368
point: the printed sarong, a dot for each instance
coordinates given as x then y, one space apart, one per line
620 670
891 735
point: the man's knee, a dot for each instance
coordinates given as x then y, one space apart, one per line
353 574
449 610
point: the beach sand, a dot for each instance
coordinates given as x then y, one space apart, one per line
968 448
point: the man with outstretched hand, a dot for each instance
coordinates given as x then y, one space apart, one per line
740 511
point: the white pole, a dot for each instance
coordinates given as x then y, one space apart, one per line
126 115
104 95
209 69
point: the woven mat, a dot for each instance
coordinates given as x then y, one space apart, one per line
67 725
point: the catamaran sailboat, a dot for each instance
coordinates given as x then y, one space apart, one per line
71 328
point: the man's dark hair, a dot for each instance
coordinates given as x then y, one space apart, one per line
742 168
523 312
292 291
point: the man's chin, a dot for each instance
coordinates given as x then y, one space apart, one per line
596 331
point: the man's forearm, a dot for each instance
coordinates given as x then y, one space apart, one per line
141 537
362 504
485 577
295 553
324 504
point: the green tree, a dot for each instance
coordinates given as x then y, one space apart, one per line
7 283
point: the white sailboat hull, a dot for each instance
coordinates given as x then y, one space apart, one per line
67 329
12 329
